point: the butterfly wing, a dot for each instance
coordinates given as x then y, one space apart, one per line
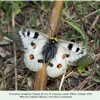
24 37
31 42
76 54
33 58
57 65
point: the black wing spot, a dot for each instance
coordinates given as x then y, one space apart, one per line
50 64
36 35
70 46
32 44
67 55
28 33
82 52
40 60
77 49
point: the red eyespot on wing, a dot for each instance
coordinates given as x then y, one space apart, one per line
31 56
63 56
59 65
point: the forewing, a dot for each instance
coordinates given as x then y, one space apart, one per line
24 37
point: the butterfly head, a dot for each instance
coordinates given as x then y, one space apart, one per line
53 39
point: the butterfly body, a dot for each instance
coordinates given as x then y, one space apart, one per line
49 50
57 53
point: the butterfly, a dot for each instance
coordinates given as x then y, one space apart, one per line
58 54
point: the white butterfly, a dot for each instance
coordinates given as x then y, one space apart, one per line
57 53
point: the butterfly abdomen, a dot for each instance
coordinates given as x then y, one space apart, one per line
49 50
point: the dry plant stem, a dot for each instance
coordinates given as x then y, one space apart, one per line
41 79
62 80
41 75
84 26
15 66
89 87
95 21
88 33
14 46
93 25
24 79
40 17
63 77
69 74
83 83
89 15
54 18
